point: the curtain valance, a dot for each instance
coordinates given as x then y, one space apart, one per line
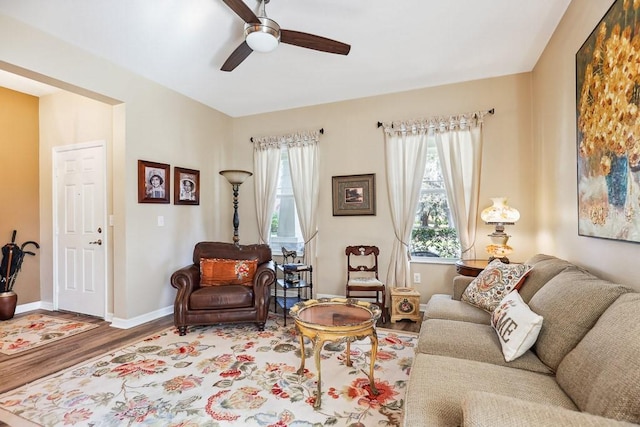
436 124
298 139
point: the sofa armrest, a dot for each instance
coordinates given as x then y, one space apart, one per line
460 283
482 409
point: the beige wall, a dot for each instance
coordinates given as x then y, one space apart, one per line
554 88
65 119
19 185
147 122
352 144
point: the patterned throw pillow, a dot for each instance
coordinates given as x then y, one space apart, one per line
217 271
516 325
494 283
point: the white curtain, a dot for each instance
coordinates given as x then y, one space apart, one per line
406 156
266 168
459 142
302 149
303 162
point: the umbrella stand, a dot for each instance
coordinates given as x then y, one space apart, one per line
10 266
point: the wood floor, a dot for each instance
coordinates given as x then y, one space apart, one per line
25 367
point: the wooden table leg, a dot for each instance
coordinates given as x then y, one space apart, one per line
348 361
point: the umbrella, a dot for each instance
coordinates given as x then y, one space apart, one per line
12 257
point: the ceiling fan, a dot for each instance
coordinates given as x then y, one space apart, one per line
263 35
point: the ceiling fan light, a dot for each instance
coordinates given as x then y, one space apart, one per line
263 37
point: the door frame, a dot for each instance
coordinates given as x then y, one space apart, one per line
55 196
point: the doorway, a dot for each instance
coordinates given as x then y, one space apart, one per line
80 238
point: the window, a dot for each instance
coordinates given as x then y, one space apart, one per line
434 234
285 229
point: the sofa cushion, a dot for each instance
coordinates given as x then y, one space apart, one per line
601 374
481 409
516 325
471 341
438 385
442 306
216 271
493 283
570 304
544 268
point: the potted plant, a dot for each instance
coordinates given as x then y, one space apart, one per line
12 257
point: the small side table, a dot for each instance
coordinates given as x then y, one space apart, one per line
471 267
338 320
405 304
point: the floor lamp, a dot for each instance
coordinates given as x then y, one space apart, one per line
235 178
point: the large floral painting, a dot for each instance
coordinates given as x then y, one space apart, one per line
608 96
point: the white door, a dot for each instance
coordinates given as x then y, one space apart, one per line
79 215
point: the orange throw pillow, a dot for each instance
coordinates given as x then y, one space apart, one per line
216 271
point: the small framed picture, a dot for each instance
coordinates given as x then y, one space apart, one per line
153 182
186 186
354 195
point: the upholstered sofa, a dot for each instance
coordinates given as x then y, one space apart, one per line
582 370
224 299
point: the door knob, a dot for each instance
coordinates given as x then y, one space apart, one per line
97 242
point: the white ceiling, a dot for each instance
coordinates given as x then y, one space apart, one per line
395 45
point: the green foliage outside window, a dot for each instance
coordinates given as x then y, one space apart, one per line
433 234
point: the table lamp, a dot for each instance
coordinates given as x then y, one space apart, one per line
499 214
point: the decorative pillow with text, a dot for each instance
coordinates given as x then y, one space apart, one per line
494 283
516 325
217 271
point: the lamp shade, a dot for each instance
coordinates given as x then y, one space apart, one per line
499 212
235 176
263 37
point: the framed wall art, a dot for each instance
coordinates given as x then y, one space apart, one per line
153 182
608 129
354 195
186 186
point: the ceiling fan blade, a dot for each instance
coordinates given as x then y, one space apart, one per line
243 11
236 57
311 41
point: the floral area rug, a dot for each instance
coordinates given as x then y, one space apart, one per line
221 376
27 332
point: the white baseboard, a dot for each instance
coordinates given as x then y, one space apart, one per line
38 305
139 320
115 322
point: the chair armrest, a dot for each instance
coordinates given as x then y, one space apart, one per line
482 409
460 283
262 281
265 275
186 280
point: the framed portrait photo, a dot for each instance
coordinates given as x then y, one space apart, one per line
354 195
153 182
186 186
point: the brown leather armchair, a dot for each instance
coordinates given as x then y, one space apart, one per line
206 305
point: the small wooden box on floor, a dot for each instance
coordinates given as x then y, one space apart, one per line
405 304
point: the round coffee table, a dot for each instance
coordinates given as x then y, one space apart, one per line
339 320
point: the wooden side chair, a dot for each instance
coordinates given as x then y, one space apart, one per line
362 276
